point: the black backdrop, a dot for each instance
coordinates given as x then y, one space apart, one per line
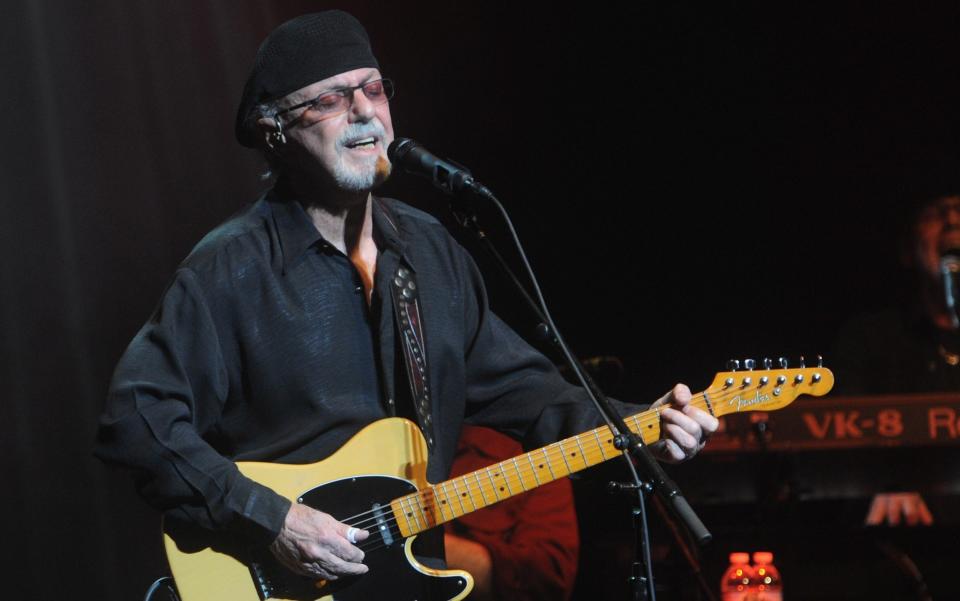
692 183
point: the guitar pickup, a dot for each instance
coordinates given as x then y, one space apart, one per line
382 525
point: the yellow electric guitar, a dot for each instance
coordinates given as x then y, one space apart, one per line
377 481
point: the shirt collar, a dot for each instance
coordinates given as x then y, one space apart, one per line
296 232
388 230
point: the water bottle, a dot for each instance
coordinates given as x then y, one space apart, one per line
737 580
766 581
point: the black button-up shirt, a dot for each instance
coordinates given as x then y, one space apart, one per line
263 348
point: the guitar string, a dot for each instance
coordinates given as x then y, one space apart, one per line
644 418
420 499
519 473
421 502
424 508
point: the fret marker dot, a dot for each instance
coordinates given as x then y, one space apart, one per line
501 489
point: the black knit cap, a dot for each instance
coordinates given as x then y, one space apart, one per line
298 53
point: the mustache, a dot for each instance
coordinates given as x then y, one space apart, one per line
354 131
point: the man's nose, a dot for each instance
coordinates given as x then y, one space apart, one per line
361 109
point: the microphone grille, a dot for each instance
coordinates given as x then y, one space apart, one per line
399 148
950 261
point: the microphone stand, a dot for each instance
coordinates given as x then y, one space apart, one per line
653 477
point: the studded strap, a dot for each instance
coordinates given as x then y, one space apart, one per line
406 303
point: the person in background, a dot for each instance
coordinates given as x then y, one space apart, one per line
522 549
911 346
914 345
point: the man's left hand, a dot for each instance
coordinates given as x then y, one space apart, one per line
684 429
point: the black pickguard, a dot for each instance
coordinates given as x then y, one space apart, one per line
391 575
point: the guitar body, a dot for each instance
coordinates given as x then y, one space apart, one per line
384 461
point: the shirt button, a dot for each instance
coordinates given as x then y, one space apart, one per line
358 289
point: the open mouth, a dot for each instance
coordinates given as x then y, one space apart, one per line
362 143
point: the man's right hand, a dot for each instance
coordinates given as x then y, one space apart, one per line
312 543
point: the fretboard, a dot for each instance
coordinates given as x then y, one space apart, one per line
459 496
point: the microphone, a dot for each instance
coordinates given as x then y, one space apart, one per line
445 175
950 272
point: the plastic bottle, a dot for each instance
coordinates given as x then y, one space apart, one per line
766 582
736 582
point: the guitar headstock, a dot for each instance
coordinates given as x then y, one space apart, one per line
766 389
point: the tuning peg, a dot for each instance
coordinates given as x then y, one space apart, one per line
803 363
819 360
733 365
749 364
767 363
784 364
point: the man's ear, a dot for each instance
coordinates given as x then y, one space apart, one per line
272 132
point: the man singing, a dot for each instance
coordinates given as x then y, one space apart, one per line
284 332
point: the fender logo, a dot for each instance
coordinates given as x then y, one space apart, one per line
742 401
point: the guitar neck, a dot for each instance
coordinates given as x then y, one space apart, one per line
731 392
459 496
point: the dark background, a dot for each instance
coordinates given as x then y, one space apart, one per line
692 183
